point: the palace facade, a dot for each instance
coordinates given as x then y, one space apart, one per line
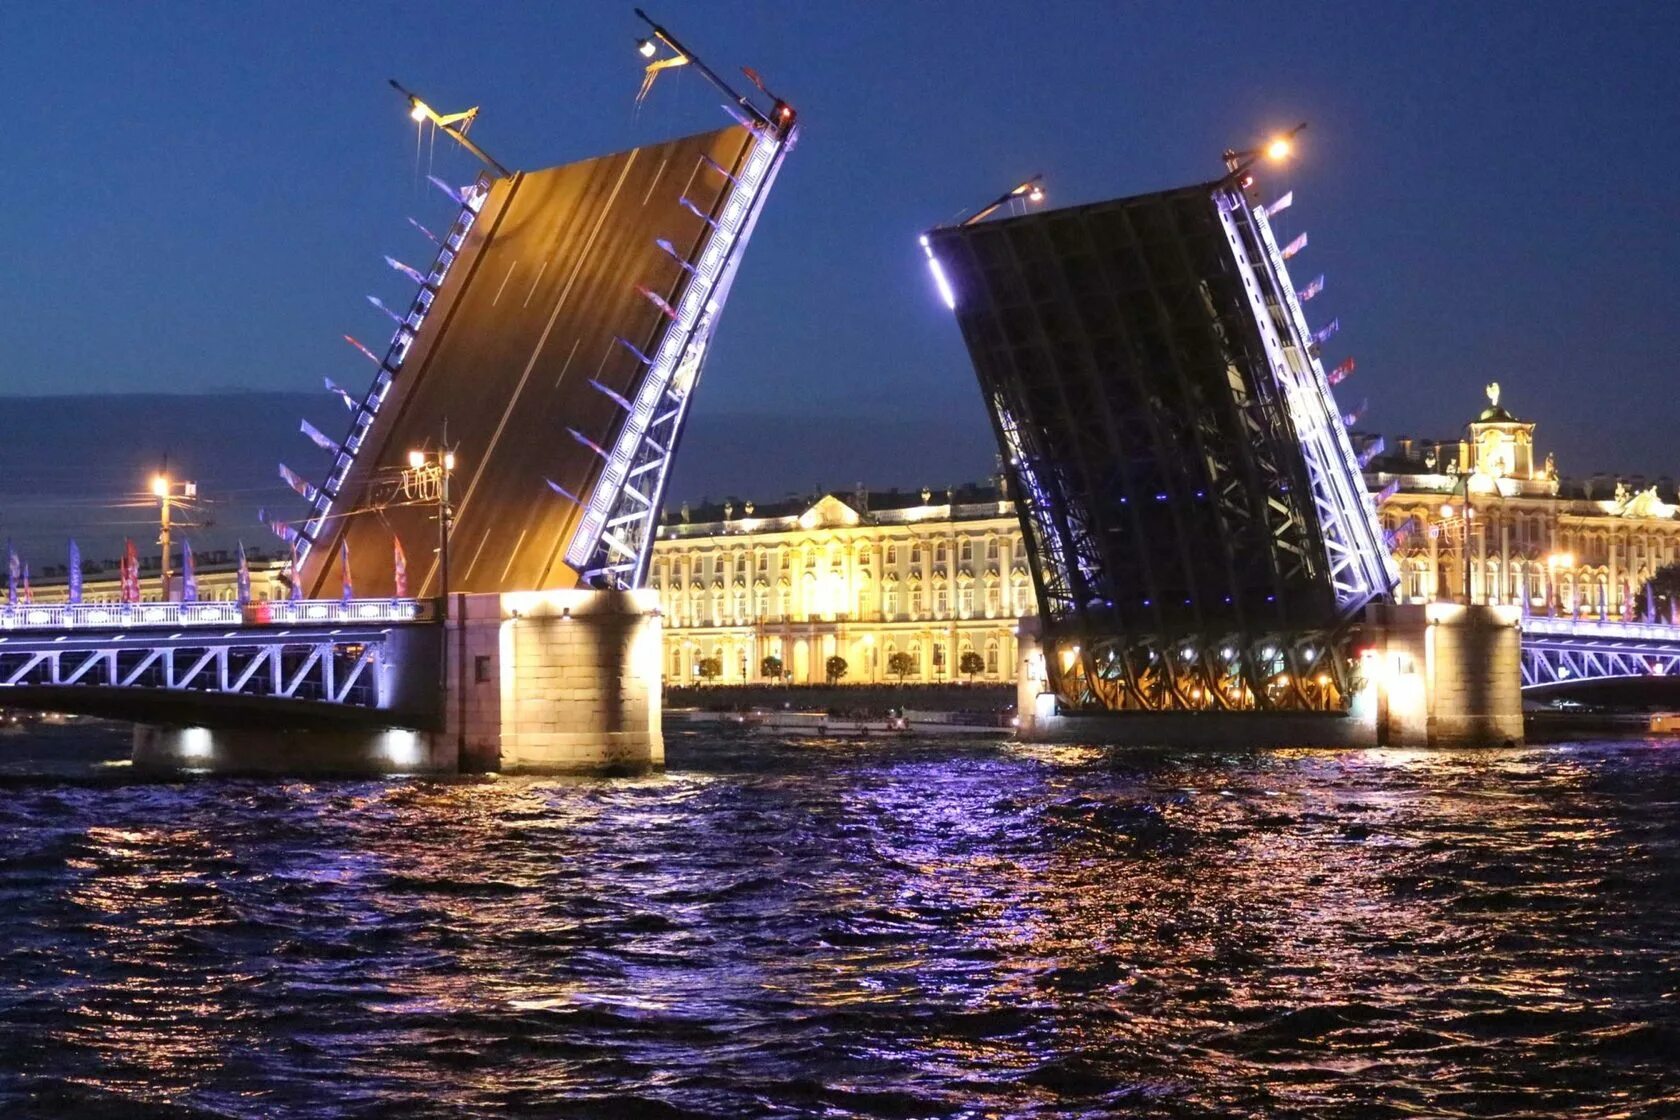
865 575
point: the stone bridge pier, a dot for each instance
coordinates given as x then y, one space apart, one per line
533 681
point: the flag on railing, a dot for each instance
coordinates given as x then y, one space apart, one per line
1312 289
1323 333
343 394
295 592
1340 373
189 578
1281 204
28 595
324 442
412 273
1295 246
242 581
344 563
399 565
1650 603
75 573
11 574
130 573
305 490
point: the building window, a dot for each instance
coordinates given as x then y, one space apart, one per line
939 553
992 550
941 603
938 659
889 601
993 600
916 602
965 552
915 554
992 657
966 602
892 555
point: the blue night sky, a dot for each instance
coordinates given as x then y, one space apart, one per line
198 196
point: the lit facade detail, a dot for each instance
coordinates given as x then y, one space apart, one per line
861 576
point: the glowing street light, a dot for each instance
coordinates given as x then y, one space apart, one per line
646 47
1276 150
454 125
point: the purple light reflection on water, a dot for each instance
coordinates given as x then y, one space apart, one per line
856 929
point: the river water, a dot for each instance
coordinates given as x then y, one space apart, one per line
838 929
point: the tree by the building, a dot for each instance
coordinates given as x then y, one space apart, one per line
771 667
971 663
836 667
709 668
901 665
1662 591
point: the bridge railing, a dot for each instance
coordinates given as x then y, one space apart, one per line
1588 628
279 612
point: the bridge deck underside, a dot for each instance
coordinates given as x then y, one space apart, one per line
532 311
1175 549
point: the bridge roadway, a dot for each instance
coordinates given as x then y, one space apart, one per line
532 311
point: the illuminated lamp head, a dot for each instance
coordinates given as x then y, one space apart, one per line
645 48
1279 149
417 111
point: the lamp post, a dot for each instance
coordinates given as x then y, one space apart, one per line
1556 562
164 490
433 468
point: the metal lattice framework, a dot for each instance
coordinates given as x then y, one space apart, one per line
345 666
1200 533
1566 651
614 540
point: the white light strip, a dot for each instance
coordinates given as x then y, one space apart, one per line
684 338
362 422
126 616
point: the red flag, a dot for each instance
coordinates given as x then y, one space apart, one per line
399 564
130 574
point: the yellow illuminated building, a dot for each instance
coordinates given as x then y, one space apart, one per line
867 575
1535 541
861 576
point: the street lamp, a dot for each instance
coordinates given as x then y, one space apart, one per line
1555 562
1277 149
432 470
163 489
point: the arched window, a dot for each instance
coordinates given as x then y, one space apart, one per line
966 551
991 656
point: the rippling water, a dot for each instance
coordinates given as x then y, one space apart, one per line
819 928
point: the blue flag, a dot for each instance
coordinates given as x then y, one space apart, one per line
75 573
189 578
242 584
344 562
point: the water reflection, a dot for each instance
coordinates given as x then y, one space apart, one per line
841 929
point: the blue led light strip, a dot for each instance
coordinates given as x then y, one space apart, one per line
362 422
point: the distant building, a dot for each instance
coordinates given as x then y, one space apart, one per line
1547 544
867 575
864 576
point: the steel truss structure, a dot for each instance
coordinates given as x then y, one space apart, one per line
341 666
614 540
344 454
1562 651
1200 536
